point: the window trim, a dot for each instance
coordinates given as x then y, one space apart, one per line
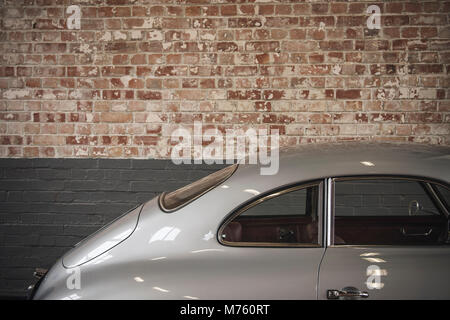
163 194
269 195
438 195
331 209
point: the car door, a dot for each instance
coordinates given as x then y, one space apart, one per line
387 239
274 245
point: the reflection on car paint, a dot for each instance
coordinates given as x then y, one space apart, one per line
165 234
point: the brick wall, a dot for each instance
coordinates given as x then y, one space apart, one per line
118 86
48 205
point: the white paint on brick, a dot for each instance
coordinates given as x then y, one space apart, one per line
153 117
49 96
155 35
89 117
125 80
106 36
322 26
136 35
336 69
427 93
210 36
16 93
85 48
75 94
119 35
149 23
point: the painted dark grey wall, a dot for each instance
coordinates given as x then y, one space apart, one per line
48 205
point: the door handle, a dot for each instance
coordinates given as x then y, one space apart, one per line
346 293
403 230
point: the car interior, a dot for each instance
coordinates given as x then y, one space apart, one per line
367 212
288 218
387 212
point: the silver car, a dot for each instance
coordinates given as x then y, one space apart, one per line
342 221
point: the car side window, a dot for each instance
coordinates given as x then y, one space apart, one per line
386 211
286 217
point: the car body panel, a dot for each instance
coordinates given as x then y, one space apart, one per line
177 255
103 240
169 257
408 272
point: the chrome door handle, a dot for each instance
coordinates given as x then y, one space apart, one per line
346 293
403 230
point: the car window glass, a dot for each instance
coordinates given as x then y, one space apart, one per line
388 197
175 199
386 211
289 216
289 204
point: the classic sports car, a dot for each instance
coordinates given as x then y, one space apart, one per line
342 221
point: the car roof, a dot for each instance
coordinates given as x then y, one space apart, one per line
308 163
317 161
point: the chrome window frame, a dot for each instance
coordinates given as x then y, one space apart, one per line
331 203
267 196
438 195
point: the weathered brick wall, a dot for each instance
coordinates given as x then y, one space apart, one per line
312 69
48 205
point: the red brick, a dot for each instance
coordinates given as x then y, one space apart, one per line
228 10
175 23
348 94
193 11
281 22
149 95
145 140
227 47
115 71
170 71
319 8
115 117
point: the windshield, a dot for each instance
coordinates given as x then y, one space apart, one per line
178 198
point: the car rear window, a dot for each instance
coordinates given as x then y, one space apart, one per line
174 200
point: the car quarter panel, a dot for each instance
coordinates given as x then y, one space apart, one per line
177 256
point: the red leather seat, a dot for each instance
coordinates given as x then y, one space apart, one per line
233 232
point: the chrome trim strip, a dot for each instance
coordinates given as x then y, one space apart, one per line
328 211
436 197
389 176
